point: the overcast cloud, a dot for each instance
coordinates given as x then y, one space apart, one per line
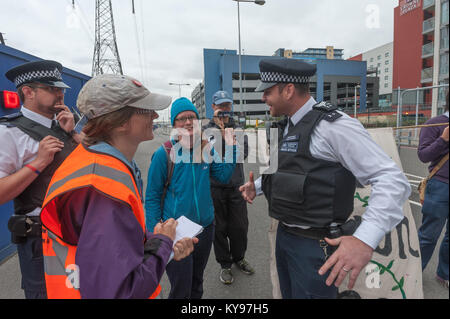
173 33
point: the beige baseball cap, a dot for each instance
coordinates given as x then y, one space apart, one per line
107 93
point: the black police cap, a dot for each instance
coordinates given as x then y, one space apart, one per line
44 71
283 70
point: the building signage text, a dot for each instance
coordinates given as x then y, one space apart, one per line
409 5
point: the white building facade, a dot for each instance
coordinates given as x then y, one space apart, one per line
380 62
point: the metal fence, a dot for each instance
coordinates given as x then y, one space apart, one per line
407 137
409 117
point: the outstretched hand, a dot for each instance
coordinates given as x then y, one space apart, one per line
248 190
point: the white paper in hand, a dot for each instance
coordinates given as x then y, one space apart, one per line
185 228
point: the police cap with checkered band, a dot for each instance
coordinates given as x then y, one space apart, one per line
43 71
284 70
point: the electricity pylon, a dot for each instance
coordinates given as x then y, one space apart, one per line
106 55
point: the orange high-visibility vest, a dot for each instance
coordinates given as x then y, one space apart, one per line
83 168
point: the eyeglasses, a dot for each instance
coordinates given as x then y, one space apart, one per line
185 118
51 89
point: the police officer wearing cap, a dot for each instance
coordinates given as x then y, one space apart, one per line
322 154
35 142
230 209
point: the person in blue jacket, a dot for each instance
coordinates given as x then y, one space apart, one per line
188 194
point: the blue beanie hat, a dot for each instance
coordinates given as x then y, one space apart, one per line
181 105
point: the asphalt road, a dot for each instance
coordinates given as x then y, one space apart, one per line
257 286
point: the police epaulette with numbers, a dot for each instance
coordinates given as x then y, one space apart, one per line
6 119
331 111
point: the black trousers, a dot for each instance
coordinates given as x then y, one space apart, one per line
186 275
31 262
231 218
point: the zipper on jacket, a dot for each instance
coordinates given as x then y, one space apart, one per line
175 207
195 193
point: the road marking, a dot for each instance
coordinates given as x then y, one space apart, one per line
409 147
420 177
415 203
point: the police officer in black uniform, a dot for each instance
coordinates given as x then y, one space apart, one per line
36 142
321 154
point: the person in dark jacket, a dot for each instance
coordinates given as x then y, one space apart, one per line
231 217
433 146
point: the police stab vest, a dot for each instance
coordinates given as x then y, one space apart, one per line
307 191
33 196
83 168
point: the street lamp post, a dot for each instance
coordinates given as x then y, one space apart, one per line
258 2
179 86
356 87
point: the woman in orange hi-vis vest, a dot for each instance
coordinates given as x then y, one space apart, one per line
94 238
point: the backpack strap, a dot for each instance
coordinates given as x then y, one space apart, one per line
438 166
170 167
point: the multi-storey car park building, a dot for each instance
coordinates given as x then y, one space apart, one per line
417 58
335 81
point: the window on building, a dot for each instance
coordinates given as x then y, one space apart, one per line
251 101
442 97
386 77
386 55
443 67
379 57
371 59
386 85
386 62
444 13
378 65
386 70
252 77
444 38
